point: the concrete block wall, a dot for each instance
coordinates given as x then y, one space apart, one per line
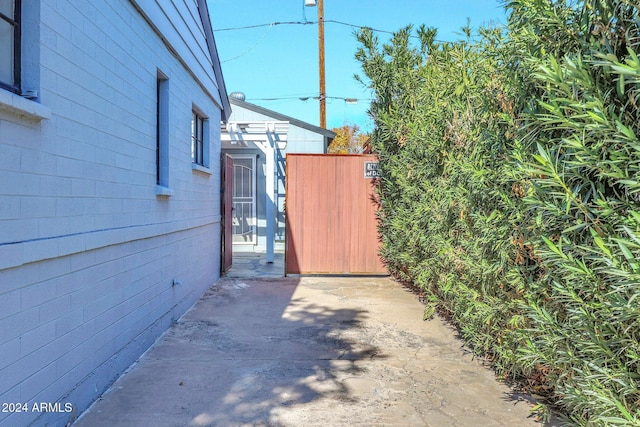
88 251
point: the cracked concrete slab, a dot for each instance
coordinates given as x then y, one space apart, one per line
311 351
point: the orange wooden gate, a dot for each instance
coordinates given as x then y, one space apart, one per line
331 215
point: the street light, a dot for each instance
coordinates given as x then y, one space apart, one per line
323 94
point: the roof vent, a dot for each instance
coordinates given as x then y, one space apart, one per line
237 95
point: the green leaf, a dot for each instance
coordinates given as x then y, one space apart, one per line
553 247
620 86
628 255
429 311
600 243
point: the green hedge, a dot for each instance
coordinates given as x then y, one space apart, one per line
511 187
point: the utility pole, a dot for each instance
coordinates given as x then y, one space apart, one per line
323 91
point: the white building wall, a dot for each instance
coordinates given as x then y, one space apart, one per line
299 140
88 251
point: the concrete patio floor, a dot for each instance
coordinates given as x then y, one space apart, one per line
254 264
308 351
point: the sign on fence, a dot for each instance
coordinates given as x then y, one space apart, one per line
371 170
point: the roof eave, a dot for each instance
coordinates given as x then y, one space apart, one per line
279 116
203 10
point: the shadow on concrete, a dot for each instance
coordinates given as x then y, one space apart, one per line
281 352
308 352
554 420
245 354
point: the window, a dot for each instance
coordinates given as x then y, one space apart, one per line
198 126
10 17
162 134
244 199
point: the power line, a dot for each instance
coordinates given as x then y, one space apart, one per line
306 98
250 48
331 21
361 27
272 24
305 22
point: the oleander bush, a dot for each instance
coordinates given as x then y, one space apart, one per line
511 192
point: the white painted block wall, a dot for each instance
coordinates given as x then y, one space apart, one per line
88 252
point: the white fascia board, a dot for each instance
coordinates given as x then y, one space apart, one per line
257 128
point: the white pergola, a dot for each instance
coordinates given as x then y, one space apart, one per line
269 137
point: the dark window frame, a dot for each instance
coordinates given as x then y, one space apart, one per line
197 138
158 133
17 45
162 129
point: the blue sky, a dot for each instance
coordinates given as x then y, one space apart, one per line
281 61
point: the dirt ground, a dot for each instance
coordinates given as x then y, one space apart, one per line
329 351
